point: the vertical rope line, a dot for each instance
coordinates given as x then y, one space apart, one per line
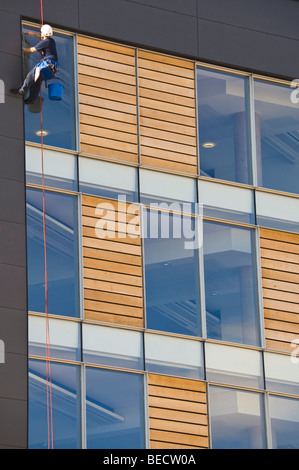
48 355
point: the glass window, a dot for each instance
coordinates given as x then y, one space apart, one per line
59 168
173 356
223 201
284 415
157 187
223 126
171 273
234 366
64 338
114 409
62 256
65 386
110 180
230 283
277 211
237 419
277 137
281 373
59 117
112 346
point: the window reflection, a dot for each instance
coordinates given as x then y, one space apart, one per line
114 410
223 126
58 116
171 274
284 415
277 135
65 386
230 284
237 419
62 257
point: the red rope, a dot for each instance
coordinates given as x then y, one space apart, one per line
48 355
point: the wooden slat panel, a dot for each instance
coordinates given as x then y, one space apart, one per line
177 412
280 277
112 272
107 91
167 96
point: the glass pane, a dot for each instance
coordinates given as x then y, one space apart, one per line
62 256
277 211
281 373
59 168
237 419
223 201
171 273
64 338
65 387
106 179
284 414
173 356
231 283
234 366
223 126
114 410
58 116
157 187
277 135
112 347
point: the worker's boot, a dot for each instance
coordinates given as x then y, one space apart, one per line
18 91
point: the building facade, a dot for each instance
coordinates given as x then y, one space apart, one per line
167 188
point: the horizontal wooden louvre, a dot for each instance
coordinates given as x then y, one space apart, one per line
112 262
167 112
177 413
280 273
107 97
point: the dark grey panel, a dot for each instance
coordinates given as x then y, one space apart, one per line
248 50
9 33
13 423
10 383
62 12
13 240
12 158
277 17
13 289
140 24
180 6
13 330
12 201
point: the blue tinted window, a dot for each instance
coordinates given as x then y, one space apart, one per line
277 137
114 410
284 414
58 116
223 126
230 284
237 419
62 257
65 406
171 273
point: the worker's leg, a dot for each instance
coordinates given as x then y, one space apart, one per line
29 81
34 91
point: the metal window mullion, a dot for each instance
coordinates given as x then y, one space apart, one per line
252 132
268 421
83 406
258 269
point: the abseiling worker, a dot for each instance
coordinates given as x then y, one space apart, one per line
47 48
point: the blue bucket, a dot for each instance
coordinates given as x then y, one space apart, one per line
55 91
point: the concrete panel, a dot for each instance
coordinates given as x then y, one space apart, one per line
12 164
139 24
13 330
13 289
248 50
13 423
276 17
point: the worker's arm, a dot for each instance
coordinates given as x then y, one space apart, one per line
29 49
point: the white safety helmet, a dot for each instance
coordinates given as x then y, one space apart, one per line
46 31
